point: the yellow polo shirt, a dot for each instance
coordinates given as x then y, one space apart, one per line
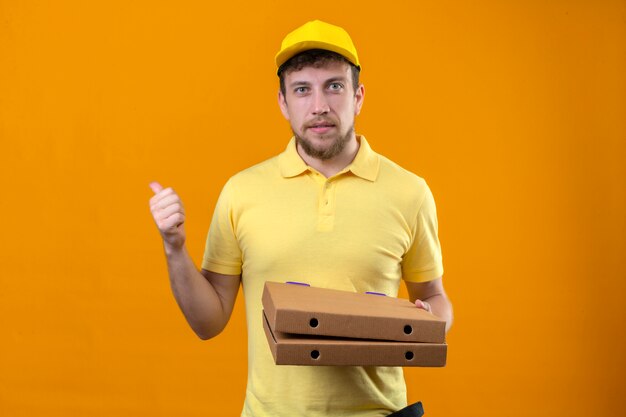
364 229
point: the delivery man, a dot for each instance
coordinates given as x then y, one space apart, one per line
328 211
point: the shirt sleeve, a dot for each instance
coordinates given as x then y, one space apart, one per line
423 260
222 253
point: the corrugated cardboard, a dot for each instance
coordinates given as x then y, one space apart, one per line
307 310
289 349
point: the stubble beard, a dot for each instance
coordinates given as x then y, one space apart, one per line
325 154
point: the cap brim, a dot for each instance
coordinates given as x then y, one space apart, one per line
286 54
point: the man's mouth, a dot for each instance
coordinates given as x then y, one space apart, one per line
321 127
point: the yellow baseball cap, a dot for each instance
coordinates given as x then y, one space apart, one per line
317 35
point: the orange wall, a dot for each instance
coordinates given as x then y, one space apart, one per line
514 111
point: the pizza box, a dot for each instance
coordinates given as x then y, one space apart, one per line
294 349
305 310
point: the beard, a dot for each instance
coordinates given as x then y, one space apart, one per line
324 154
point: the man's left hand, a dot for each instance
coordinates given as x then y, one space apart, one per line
423 305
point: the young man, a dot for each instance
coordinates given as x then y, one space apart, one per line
328 211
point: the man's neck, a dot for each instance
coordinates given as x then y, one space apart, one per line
330 167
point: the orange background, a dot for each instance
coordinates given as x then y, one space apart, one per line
513 111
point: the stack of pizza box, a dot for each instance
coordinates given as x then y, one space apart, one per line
306 325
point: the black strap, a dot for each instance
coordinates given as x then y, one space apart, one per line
413 410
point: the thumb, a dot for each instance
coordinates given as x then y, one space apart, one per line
156 187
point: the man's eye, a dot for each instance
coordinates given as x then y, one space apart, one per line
335 86
300 90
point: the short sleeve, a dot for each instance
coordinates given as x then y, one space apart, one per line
423 260
222 253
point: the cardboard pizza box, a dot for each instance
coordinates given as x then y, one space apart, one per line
291 349
305 310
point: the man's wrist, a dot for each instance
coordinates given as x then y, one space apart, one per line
173 250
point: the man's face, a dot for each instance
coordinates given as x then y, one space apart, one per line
321 104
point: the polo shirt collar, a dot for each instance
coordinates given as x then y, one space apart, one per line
364 165
366 162
290 162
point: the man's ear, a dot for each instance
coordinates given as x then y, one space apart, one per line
282 103
359 95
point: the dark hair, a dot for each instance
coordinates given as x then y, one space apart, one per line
315 58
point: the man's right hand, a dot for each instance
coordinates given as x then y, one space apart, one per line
169 215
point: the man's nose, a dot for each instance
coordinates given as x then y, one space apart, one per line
320 103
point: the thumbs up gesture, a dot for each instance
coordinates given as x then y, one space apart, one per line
169 215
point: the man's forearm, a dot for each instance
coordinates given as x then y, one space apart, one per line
196 297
